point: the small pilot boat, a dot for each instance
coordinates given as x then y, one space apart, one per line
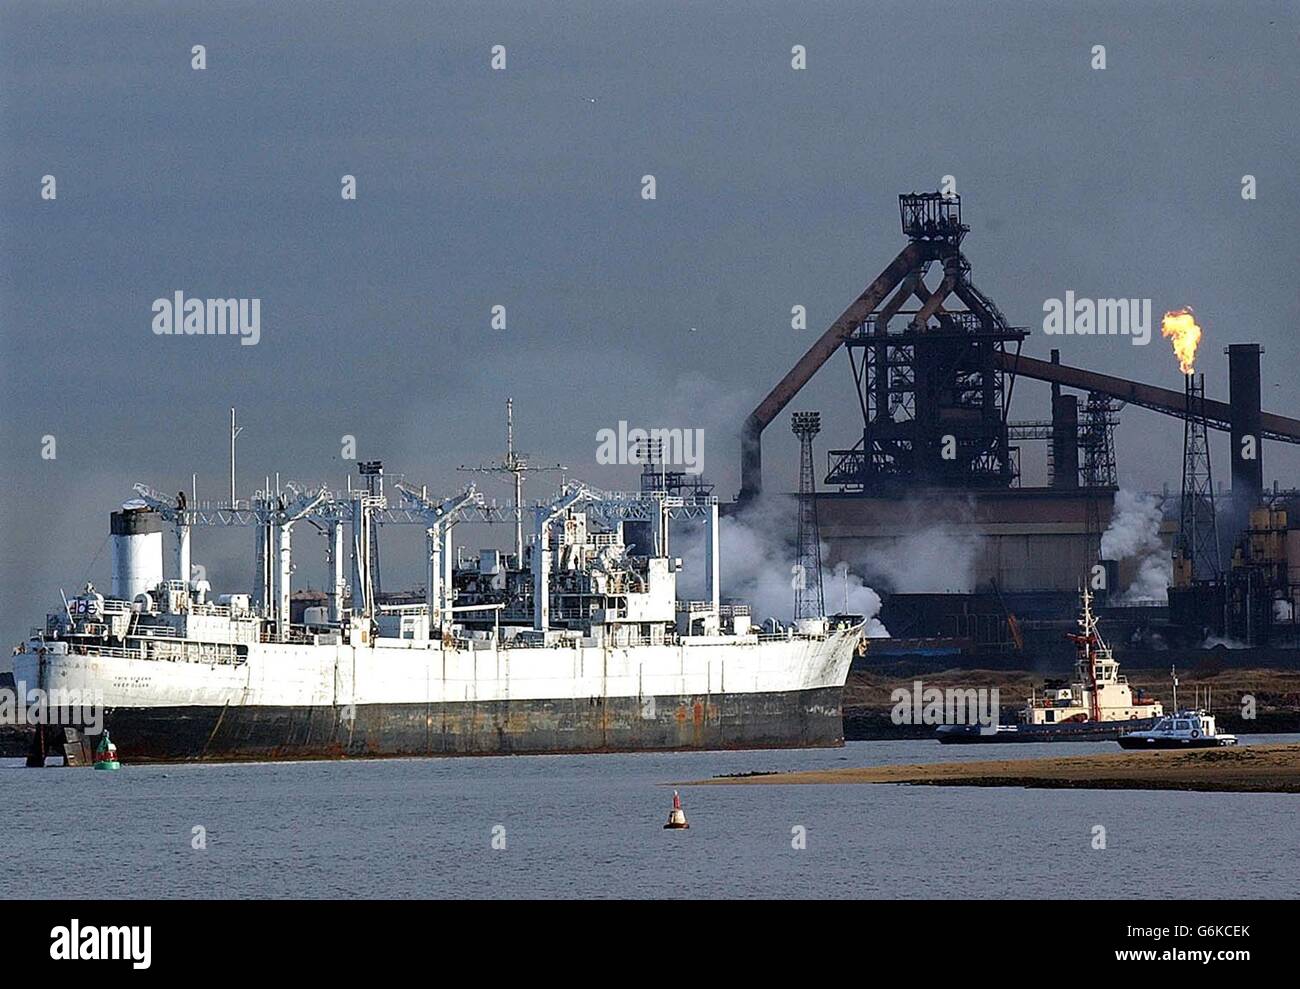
1184 730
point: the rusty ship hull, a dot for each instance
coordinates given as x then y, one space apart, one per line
679 723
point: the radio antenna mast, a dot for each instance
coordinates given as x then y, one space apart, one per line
517 465
234 433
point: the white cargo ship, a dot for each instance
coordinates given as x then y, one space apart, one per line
576 642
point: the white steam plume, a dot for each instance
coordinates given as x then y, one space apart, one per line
938 559
936 554
757 552
846 592
1134 533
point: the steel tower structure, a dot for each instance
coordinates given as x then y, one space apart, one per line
1198 536
808 600
1097 440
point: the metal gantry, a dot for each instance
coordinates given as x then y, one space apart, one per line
442 516
932 399
275 513
1097 440
932 395
948 372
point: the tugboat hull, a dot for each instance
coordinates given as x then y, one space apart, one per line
1085 731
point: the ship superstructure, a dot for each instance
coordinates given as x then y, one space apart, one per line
575 642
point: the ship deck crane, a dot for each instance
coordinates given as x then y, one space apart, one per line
283 520
442 516
543 516
330 510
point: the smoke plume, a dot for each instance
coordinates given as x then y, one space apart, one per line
758 556
939 559
936 554
1134 533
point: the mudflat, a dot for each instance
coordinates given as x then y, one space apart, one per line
1236 769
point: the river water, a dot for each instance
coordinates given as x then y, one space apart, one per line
591 826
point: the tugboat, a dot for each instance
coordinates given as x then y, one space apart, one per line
106 753
1099 705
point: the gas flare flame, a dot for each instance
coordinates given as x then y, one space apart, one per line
1179 328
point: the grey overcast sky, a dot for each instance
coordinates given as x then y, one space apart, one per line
521 188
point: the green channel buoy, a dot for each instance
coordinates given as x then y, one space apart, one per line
106 753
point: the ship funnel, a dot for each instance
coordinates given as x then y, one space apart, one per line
137 551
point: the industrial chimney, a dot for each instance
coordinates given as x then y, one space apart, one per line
137 550
1247 432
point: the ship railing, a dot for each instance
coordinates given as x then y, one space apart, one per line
115 652
297 635
726 609
214 610
528 642
157 632
571 614
791 634
619 642
202 653
517 617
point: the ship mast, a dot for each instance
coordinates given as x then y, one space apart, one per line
1089 641
517 465
234 434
